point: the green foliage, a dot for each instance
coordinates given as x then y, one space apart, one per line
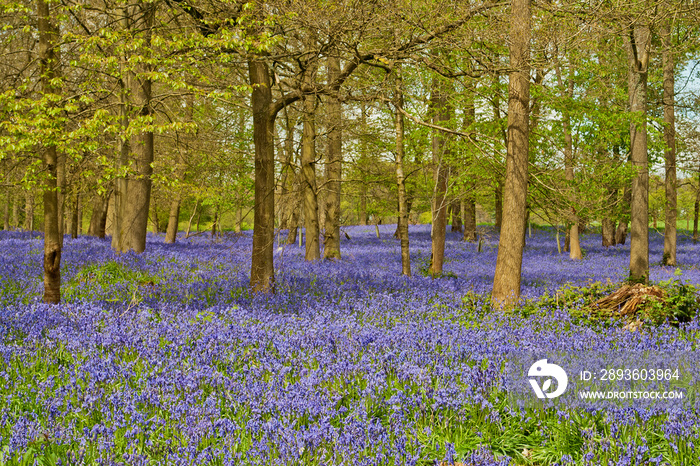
682 301
112 281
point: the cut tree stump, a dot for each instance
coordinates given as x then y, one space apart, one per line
627 302
629 299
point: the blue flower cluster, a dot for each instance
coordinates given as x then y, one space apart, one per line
167 358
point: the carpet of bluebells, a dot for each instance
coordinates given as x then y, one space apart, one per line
166 358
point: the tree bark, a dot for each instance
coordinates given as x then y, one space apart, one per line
696 213
262 274
134 191
442 112
189 222
105 212
308 169
49 67
506 283
669 256
402 227
334 167
15 213
6 212
498 198
75 216
96 216
608 224
29 212
638 42
174 213
456 213
173 218
469 219
621 232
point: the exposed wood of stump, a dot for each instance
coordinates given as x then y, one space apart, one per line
626 301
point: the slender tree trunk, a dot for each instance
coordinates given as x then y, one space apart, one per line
363 204
669 257
189 222
608 224
101 232
469 219
573 239
456 206
174 213
49 66
262 275
29 211
308 168
239 220
696 213
638 47
75 216
506 283
442 112
173 218
215 223
154 215
96 216
293 225
6 212
402 226
15 213
498 196
289 197
331 240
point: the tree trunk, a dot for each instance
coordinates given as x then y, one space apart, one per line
29 212
293 226
308 169
608 232
669 256
456 206
96 216
469 219
6 212
696 213
239 220
442 112
173 218
506 283
154 215
215 223
262 274
290 184
182 157
103 220
498 196
74 216
638 47
49 65
134 192
402 227
189 222
15 213
608 224
331 240
574 245
363 204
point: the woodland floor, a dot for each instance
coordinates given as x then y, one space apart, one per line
165 358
